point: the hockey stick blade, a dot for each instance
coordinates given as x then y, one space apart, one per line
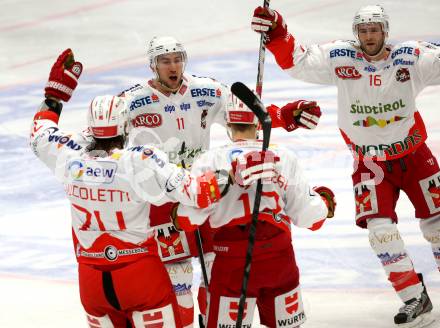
256 106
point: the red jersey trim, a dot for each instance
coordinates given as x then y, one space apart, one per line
47 115
108 250
282 49
416 137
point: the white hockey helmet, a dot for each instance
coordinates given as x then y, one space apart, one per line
107 117
238 113
371 14
161 45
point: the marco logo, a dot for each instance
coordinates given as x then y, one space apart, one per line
91 171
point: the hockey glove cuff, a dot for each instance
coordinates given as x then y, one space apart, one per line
328 197
266 20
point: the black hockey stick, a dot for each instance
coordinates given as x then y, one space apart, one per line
204 273
261 57
198 239
252 101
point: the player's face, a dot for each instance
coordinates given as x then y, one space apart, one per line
170 69
371 38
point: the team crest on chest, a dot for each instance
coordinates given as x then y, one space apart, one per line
402 75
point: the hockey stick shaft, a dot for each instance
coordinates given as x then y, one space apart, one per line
198 239
261 58
252 101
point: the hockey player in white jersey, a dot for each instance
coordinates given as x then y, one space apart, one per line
286 198
122 281
378 119
175 111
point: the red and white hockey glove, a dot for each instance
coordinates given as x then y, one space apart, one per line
250 167
299 114
328 197
63 77
266 20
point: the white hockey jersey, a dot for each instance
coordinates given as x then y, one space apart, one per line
377 113
111 195
178 123
286 199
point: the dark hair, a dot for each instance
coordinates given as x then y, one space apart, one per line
107 144
241 127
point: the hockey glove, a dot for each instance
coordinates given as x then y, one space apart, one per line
299 114
266 20
328 197
250 167
63 77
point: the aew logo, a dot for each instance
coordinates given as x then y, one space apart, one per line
402 75
347 72
92 171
